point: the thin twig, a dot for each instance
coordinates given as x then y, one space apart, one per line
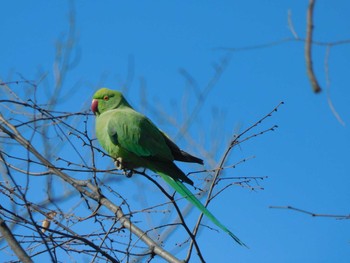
291 25
311 213
283 41
222 168
328 88
219 70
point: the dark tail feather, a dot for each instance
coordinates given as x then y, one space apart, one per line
180 155
186 157
170 169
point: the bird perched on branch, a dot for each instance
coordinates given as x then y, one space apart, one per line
134 141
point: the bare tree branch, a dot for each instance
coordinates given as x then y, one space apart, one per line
218 171
308 45
219 70
13 243
13 133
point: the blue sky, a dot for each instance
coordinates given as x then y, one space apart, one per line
306 159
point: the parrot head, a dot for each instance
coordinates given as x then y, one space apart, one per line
105 99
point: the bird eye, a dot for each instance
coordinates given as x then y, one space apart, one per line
106 98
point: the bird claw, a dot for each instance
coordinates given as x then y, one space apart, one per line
119 163
129 173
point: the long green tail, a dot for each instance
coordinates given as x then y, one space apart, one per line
183 190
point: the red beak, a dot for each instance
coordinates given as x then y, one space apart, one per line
94 106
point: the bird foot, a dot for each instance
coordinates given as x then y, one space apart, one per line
129 173
119 163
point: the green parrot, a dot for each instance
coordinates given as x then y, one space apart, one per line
135 141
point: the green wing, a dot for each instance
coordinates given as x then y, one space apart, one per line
137 134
